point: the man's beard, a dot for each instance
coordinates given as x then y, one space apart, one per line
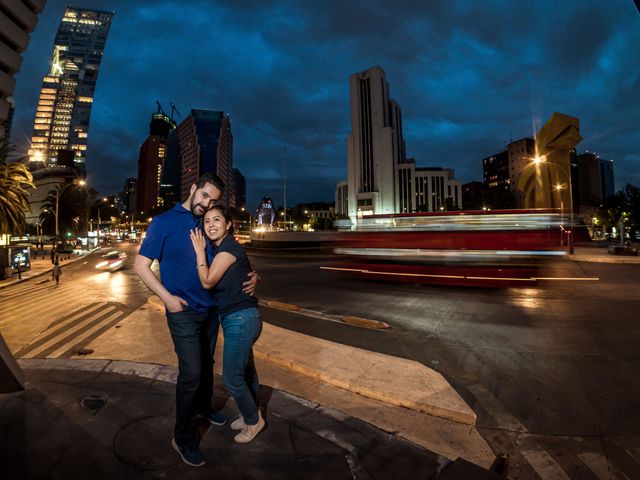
193 206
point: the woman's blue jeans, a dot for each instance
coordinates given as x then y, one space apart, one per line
194 337
241 330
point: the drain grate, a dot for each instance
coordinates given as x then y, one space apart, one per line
93 402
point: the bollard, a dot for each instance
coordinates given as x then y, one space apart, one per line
501 464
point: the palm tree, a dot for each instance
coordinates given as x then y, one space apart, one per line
15 178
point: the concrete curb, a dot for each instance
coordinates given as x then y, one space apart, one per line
393 380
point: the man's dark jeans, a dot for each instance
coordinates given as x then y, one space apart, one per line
194 337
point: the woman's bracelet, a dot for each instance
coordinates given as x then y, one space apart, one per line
201 265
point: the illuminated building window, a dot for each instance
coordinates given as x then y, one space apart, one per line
38 139
40 127
48 90
85 99
82 135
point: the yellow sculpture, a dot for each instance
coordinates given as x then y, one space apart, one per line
546 181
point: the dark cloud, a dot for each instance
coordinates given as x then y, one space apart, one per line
469 76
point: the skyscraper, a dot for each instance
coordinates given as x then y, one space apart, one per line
17 19
380 177
151 161
205 145
61 126
375 146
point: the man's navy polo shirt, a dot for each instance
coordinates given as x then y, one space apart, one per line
168 241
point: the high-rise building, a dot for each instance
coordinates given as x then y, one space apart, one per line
375 146
380 177
151 161
594 179
204 144
240 188
501 172
128 196
66 96
18 18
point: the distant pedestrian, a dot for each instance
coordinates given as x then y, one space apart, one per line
56 272
19 271
53 255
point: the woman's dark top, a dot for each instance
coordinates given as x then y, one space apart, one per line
229 296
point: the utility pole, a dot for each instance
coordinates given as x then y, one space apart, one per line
284 175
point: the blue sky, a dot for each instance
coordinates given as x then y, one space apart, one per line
469 75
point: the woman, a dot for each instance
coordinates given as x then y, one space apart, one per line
239 316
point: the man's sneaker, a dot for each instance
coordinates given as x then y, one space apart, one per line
238 423
215 418
249 432
195 458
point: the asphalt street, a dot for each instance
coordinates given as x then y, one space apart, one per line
549 370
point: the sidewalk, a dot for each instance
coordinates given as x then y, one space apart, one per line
600 254
41 265
109 419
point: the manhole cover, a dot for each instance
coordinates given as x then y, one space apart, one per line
92 403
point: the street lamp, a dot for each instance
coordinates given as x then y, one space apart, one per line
539 160
59 191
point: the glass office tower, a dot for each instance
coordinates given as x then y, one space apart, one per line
61 126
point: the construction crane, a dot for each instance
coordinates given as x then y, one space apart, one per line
174 109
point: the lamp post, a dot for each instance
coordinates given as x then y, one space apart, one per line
104 199
59 191
559 188
539 160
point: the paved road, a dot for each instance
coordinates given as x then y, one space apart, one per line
550 370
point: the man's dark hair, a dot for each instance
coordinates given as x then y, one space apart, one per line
212 178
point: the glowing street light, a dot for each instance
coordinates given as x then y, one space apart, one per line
59 191
542 160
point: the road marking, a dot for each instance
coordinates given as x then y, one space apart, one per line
544 465
87 334
634 453
601 467
496 409
65 329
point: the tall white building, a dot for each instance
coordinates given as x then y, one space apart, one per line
380 178
18 18
375 146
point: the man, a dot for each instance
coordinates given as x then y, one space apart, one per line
191 314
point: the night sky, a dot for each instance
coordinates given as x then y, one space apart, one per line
469 75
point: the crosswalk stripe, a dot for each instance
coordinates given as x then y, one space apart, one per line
49 332
84 335
46 303
600 466
496 409
80 312
92 335
52 339
544 465
634 453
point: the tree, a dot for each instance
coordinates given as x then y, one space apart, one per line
15 178
623 206
73 210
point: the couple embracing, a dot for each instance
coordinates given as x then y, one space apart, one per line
205 282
